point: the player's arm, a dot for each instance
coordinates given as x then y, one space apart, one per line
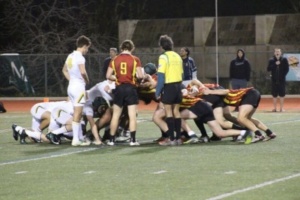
207 91
93 126
65 72
197 83
109 74
83 73
148 82
139 73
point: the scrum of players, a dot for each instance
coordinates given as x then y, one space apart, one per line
204 103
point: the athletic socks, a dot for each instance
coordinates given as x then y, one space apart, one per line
177 126
258 133
34 134
170 123
163 134
268 132
111 138
201 127
76 129
132 136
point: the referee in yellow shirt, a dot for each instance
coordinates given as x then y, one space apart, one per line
168 89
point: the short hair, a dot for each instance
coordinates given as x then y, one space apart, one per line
166 42
113 49
127 45
276 49
187 51
83 40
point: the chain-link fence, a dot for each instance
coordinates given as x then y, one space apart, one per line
44 72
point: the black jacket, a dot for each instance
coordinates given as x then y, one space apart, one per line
240 68
280 71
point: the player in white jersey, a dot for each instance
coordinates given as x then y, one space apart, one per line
41 114
104 90
75 72
61 123
97 104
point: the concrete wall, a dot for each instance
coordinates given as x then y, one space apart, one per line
258 51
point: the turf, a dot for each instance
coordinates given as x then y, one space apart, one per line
217 170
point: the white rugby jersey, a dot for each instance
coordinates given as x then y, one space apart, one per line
73 61
99 90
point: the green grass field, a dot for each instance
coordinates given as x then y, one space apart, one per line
217 170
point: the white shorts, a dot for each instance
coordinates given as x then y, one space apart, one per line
37 111
60 115
76 93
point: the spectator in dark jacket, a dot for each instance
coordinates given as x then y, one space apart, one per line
239 72
112 54
279 67
189 67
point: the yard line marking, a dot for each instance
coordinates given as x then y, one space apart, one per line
160 172
254 187
21 172
230 172
89 172
46 157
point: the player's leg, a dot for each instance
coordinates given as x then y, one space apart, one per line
117 110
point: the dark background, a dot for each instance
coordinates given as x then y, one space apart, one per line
34 26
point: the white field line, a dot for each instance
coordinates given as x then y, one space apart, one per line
222 196
47 157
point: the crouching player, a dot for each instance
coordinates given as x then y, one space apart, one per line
63 118
247 100
41 115
202 111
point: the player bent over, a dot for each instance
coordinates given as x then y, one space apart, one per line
247 100
41 115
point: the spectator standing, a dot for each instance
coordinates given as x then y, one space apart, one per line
112 54
239 71
279 67
189 67
168 89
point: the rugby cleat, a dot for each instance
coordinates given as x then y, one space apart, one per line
270 137
54 139
248 137
110 143
193 139
23 136
204 139
215 138
134 144
258 138
80 143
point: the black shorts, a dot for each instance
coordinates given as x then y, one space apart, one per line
125 95
215 100
252 97
203 111
172 93
278 89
